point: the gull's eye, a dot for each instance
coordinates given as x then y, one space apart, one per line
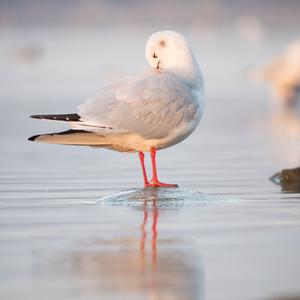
154 55
162 43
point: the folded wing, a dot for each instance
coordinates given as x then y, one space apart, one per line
151 105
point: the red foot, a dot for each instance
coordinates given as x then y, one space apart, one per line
159 184
154 181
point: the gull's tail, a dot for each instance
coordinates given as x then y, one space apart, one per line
72 137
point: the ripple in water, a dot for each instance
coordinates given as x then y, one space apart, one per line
159 197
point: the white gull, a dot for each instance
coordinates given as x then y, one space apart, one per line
144 113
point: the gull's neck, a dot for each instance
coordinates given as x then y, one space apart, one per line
186 68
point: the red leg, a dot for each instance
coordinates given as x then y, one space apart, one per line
141 157
154 182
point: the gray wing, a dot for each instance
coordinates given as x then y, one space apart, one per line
150 105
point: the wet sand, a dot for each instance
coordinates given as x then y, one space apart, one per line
68 233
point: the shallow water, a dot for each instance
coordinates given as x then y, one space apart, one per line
75 223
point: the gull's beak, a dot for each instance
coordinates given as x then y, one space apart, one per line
157 67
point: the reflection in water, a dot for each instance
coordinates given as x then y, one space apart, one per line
292 187
153 238
152 267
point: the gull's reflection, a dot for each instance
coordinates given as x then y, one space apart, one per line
172 269
152 266
154 213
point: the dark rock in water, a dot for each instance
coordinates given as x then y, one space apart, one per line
289 179
290 175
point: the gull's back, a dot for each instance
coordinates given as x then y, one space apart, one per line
153 105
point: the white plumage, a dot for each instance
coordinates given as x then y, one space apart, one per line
153 110
157 108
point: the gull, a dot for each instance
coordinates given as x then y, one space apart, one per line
283 74
144 113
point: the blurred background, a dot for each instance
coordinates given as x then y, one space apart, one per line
48 46
57 244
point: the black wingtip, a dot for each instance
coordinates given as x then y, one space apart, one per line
59 117
36 116
33 138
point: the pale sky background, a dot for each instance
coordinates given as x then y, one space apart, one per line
274 14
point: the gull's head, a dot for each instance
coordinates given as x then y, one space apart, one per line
169 52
